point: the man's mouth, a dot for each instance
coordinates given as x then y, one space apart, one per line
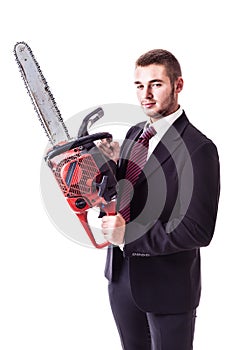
148 104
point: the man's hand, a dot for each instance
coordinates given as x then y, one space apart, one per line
111 149
113 228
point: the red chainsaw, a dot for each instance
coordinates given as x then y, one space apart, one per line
85 176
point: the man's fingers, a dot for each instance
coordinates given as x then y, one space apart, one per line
109 148
105 147
113 228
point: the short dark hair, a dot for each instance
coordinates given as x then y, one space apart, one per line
163 57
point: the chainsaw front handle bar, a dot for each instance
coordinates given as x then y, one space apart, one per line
77 143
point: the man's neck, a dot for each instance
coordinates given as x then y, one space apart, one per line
160 116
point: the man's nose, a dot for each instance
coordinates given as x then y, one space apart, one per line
147 92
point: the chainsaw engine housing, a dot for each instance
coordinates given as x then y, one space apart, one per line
85 176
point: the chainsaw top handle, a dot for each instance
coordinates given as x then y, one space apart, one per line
78 143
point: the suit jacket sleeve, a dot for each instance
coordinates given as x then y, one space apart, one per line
193 226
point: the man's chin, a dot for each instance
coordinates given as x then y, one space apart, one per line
151 113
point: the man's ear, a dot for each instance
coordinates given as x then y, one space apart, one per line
179 85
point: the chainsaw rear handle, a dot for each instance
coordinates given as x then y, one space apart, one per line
109 209
79 142
83 219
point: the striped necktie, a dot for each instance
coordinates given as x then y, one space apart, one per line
136 162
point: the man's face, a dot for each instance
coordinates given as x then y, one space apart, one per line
157 96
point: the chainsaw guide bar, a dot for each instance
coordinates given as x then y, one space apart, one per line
40 94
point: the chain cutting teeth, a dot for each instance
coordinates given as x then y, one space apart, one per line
40 94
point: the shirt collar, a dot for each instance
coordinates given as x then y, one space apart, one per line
163 124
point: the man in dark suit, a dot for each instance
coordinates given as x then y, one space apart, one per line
153 263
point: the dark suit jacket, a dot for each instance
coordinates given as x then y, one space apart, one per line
173 214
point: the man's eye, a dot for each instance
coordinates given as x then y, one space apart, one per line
156 84
140 87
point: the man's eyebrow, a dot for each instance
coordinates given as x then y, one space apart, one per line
150 81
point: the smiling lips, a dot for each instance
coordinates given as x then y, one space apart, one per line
148 104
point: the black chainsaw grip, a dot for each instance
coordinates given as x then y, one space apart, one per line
80 141
91 118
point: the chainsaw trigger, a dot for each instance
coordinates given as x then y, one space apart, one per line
102 214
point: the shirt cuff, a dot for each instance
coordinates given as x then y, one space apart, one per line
121 246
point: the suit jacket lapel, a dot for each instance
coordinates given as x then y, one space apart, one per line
126 148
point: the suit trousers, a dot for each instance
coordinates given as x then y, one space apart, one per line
141 330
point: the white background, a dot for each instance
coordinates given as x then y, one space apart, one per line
53 294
